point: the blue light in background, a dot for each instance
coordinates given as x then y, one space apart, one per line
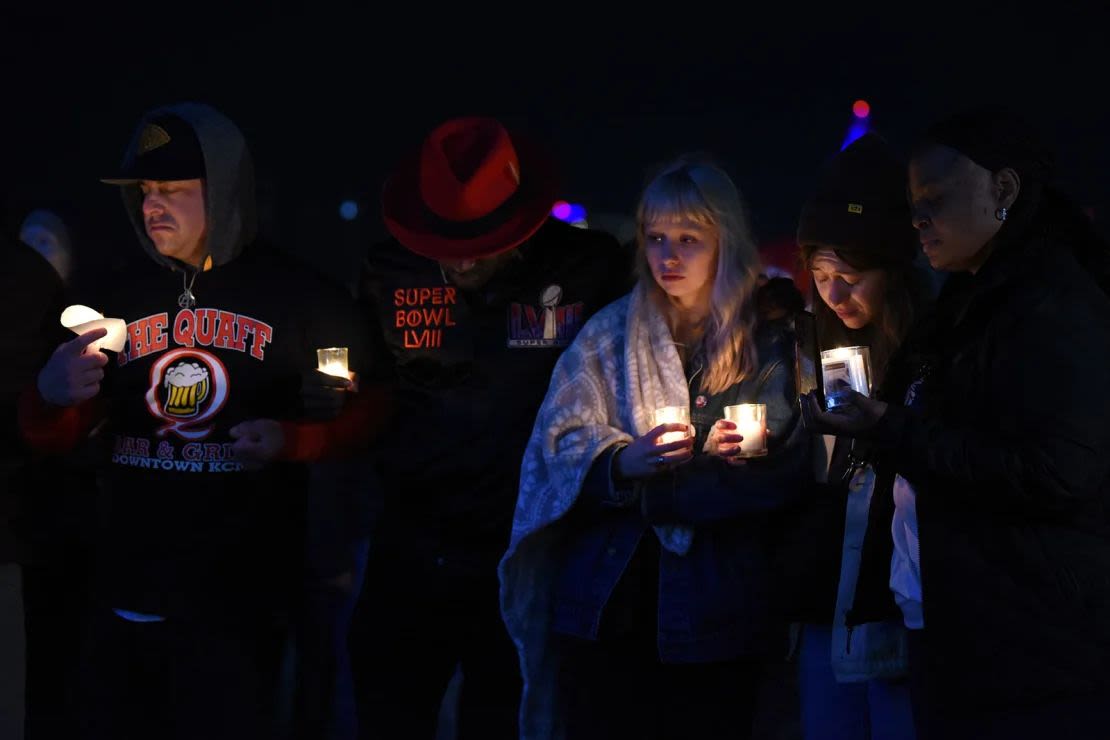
856 130
861 110
348 210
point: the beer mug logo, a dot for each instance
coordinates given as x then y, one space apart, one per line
186 387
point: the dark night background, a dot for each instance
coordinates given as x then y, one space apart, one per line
329 98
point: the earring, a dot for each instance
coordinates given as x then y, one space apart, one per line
1001 214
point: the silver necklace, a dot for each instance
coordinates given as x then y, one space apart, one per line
187 299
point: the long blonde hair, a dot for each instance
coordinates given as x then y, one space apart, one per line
694 188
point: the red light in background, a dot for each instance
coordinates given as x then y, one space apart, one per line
861 109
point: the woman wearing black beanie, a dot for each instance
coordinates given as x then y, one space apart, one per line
1001 545
856 239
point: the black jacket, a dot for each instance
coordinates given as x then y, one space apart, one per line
469 370
1009 456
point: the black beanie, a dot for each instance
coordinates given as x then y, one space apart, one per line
859 207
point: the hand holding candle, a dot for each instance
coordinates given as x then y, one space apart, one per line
668 444
82 319
856 416
73 374
324 390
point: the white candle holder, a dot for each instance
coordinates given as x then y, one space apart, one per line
332 361
751 422
673 415
852 365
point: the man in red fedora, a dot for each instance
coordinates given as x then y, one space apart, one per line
473 300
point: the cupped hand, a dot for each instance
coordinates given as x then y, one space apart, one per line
646 456
724 442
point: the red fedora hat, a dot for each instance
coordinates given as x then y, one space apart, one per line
472 191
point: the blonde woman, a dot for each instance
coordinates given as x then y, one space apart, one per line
636 582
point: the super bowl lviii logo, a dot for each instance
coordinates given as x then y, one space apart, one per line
188 387
548 324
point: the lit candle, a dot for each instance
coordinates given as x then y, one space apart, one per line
332 361
81 319
673 415
852 365
751 423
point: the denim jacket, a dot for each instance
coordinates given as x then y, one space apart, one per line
712 603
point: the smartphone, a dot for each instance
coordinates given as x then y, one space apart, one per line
807 356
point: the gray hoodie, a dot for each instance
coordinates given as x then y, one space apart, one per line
229 183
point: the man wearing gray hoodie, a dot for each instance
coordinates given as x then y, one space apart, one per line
201 417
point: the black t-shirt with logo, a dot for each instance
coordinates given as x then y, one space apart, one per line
186 530
470 370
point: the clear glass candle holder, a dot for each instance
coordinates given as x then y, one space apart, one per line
751 422
332 361
845 368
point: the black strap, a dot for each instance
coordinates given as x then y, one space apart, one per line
477 227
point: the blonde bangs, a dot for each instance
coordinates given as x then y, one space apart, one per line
674 198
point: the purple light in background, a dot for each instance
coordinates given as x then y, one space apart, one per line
561 210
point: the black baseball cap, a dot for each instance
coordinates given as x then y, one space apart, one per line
168 149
